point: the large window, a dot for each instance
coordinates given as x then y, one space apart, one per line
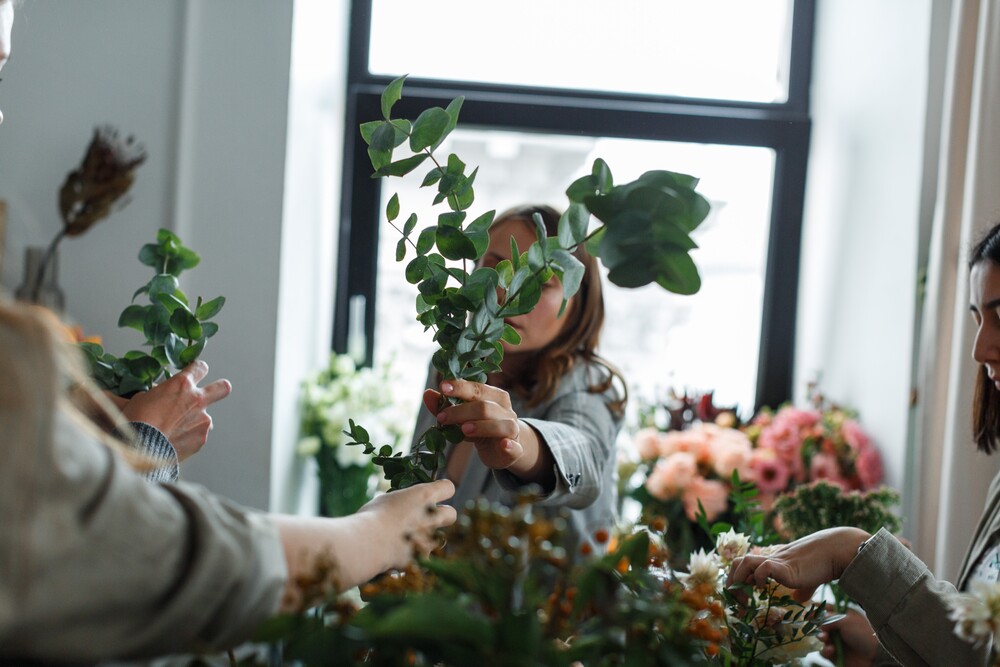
711 88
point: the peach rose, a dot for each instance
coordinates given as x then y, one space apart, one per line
671 475
713 495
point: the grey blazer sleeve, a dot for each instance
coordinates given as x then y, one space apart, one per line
97 563
580 431
907 606
153 445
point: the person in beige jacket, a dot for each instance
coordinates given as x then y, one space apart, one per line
97 563
906 606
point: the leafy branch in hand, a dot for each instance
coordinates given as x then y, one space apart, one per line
643 236
175 330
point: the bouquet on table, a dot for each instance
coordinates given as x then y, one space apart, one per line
690 449
332 397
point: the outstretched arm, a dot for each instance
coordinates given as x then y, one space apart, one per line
383 535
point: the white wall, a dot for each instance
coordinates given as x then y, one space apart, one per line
863 206
205 86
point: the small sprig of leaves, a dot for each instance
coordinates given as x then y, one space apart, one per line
175 330
644 237
749 518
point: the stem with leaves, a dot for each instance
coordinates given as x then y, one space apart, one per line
643 236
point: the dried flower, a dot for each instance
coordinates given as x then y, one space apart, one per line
103 177
92 189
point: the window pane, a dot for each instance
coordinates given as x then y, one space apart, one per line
659 340
715 49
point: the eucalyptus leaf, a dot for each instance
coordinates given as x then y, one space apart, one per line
210 309
454 244
192 352
401 167
392 208
134 317
426 240
392 94
410 224
429 128
185 325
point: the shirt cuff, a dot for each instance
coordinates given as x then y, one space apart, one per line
881 576
153 445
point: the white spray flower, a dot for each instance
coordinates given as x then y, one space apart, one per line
731 545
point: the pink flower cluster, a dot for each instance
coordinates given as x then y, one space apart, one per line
695 465
795 446
776 451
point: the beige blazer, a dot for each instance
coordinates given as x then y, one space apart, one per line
95 562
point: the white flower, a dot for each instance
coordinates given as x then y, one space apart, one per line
731 545
975 613
308 446
343 365
703 568
350 455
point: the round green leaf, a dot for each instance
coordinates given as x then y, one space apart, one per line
210 309
454 244
429 127
134 317
185 325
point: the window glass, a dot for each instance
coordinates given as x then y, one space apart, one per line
714 49
659 340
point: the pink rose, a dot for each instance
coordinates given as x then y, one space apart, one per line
857 439
825 467
730 456
693 441
802 420
869 468
647 443
671 475
770 473
713 495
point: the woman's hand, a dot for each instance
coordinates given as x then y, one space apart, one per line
857 639
489 422
407 520
384 534
178 407
803 565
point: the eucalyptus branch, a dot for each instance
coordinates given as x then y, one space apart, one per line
644 237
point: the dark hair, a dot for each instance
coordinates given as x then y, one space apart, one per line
986 398
581 332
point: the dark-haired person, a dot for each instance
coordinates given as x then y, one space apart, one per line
904 603
551 416
96 563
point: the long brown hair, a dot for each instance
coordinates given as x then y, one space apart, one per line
986 400
580 334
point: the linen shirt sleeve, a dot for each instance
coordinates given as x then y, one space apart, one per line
907 606
580 431
153 445
97 563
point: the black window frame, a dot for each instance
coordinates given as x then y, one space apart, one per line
784 127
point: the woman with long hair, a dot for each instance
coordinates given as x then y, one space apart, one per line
550 417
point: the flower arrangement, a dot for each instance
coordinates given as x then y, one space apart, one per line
330 398
762 626
690 448
795 446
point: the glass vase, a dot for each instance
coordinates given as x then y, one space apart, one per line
342 489
38 287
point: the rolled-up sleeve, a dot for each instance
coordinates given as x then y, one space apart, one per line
101 564
907 606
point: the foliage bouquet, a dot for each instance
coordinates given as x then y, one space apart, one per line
329 399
